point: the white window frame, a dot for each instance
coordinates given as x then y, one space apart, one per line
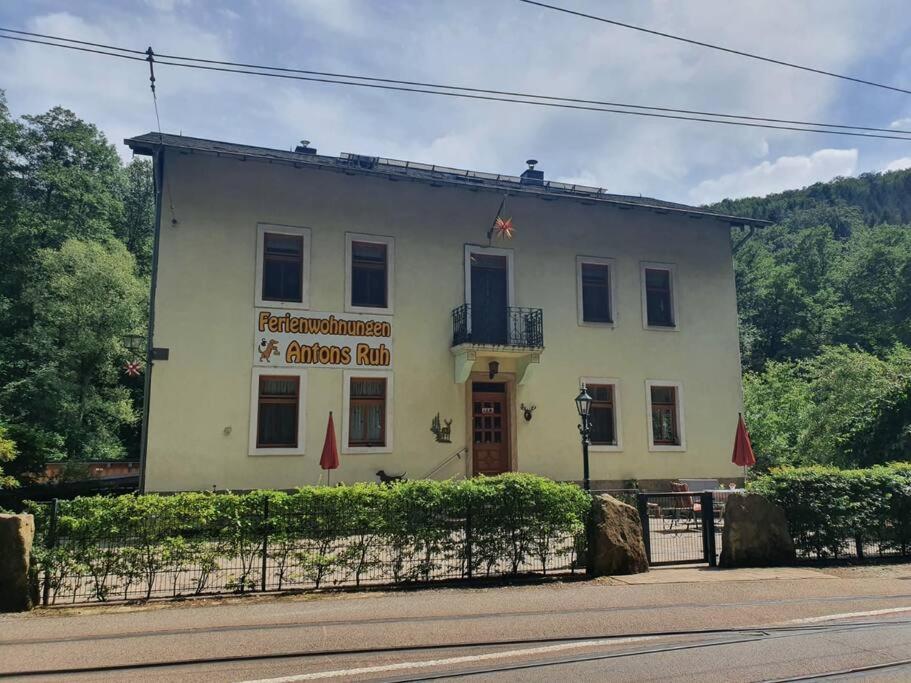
580 309
618 424
491 251
351 237
346 411
672 269
261 230
681 419
301 411
510 273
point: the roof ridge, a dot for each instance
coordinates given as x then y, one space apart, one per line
368 164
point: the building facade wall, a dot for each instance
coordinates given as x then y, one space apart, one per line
200 397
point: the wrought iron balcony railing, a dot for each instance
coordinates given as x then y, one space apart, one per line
510 326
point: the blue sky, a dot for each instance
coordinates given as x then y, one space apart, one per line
497 44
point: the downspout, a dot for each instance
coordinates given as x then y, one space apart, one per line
751 229
744 240
158 175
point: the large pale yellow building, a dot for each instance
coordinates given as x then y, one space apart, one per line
291 285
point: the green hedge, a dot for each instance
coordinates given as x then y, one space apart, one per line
835 513
412 531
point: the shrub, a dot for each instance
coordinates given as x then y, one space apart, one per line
113 547
829 509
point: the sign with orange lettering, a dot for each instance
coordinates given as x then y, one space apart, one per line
321 340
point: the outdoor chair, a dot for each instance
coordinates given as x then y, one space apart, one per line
686 508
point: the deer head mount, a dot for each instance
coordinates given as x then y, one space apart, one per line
527 410
441 432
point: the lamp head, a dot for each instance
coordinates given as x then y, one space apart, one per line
583 402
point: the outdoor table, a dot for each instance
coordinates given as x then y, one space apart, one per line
720 497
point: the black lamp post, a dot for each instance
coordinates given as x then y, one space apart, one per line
134 342
584 406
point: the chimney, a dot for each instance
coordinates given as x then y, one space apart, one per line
305 148
530 176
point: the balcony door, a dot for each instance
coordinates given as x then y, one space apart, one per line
489 298
489 428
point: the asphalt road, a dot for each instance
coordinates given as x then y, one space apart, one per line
857 625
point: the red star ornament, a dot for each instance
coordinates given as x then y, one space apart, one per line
504 228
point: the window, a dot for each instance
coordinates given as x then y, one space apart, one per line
283 257
369 273
665 416
368 423
605 413
282 266
595 288
276 424
276 411
659 306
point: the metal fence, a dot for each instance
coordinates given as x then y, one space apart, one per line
681 527
510 326
828 544
262 551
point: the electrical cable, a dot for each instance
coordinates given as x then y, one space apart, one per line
539 103
475 90
721 48
476 93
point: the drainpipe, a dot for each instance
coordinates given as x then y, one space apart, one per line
750 230
158 175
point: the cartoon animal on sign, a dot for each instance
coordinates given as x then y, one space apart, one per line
267 349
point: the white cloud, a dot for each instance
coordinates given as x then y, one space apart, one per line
341 16
901 123
473 43
898 164
785 173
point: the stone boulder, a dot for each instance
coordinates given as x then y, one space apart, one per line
755 533
16 535
616 543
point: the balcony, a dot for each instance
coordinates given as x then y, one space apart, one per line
521 328
490 332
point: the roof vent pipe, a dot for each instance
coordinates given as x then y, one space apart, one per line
530 176
305 148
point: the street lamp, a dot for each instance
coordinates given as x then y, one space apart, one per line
134 342
584 407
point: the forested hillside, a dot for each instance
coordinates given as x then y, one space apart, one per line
75 242
825 314
825 306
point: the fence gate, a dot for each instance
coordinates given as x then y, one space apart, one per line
680 528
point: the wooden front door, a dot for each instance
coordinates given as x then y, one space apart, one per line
490 429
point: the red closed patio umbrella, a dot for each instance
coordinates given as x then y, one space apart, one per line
329 459
743 449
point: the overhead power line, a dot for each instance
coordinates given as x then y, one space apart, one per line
721 48
472 93
72 40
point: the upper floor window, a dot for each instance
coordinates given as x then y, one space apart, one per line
605 413
595 287
369 273
665 415
282 266
658 296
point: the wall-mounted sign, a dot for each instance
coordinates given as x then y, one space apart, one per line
321 340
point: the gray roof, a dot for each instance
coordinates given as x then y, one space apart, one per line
429 173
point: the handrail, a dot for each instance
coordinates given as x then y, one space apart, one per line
510 326
457 454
